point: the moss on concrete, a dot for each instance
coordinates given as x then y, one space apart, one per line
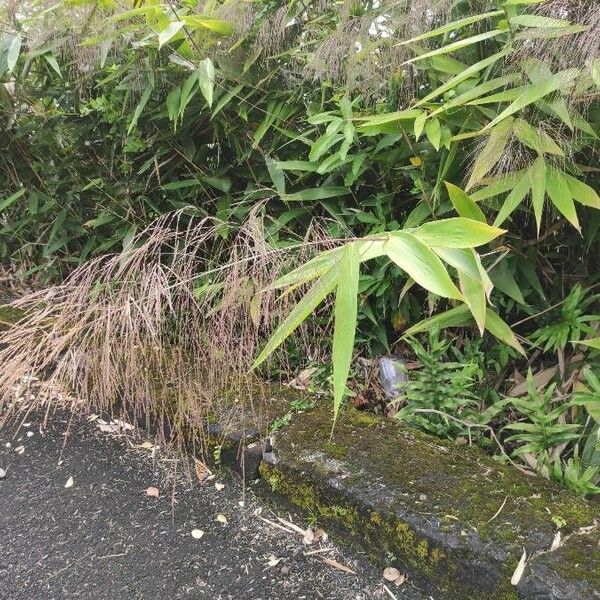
431 504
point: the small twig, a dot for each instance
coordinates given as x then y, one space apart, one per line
498 511
391 594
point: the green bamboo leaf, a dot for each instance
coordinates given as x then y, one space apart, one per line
474 293
478 91
559 192
311 269
276 174
402 115
216 25
456 232
345 316
320 193
421 263
463 204
480 37
582 192
538 190
504 280
466 74
538 21
141 105
419 125
171 30
458 24
6 202
514 198
12 54
206 80
592 342
455 317
475 284
536 139
434 132
497 185
533 93
317 293
491 153
498 328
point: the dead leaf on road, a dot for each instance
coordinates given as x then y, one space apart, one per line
219 486
69 483
519 570
338 565
391 574
153 492
222 519
273 561
202 471
197 533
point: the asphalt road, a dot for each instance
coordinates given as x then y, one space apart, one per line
104 538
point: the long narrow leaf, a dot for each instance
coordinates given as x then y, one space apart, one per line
345 316
299 313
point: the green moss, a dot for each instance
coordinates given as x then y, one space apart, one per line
335 450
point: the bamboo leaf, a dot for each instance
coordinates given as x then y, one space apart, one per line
581 192
421 263
592 342
463 204
466 74
456 232
514 198
169 32
480 37
559 192
206 80
533 93
434 132
538 190
491 153
455 317
345 316
498 328
458 24
317 293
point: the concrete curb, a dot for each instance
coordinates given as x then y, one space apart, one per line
452 518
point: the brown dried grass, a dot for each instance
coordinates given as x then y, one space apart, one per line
163 333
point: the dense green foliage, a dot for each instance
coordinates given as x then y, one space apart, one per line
416 130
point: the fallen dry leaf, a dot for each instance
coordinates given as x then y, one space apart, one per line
222 519
202 471
153 492
69 483
20 449
197 533
516 577
145 446
400 580
391 574
338 565
320 534
273 561
556 542
309 537
219 486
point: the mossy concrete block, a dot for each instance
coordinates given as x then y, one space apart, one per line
452 518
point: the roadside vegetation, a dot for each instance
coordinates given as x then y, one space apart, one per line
224 190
